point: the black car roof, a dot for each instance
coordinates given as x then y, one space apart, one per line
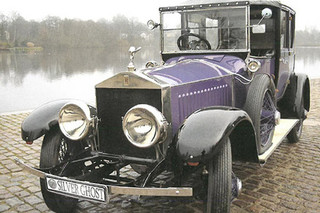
201 4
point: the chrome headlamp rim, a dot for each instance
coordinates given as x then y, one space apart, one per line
160 127
85 116
253 65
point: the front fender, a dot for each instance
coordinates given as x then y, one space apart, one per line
42 120
200 135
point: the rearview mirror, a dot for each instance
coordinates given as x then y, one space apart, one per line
152 25
266 13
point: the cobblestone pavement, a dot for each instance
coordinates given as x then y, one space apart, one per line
288 182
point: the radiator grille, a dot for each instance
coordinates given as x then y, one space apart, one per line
112 104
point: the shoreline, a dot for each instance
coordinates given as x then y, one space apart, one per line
312 91
315 47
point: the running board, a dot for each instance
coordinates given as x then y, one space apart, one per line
280 133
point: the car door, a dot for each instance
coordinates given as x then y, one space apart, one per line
286 60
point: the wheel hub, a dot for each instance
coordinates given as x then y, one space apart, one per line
236 187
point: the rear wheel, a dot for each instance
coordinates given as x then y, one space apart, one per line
261 107
295 134
219 180
56 149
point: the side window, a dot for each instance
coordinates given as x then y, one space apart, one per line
291 29
193 27
284 39
212 31
262 43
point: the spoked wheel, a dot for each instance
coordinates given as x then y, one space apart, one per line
56 149
261 107
219 192
267 119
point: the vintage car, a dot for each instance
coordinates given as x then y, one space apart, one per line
226 91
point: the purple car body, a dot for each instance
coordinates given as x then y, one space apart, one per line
199 81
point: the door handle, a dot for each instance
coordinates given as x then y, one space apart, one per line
283 60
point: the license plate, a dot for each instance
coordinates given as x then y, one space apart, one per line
77 189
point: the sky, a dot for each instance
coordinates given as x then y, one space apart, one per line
308 14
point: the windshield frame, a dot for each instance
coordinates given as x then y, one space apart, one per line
246 28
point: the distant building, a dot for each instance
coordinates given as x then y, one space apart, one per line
30 44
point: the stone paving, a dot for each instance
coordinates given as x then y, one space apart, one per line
288 182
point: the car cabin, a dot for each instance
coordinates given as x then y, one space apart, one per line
263 30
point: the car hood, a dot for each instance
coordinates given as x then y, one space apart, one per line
184 69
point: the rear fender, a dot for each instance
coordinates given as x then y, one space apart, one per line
203 132
303 91
42 119
298 88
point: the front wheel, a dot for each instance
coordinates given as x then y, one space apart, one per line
56 149
261 107
219 192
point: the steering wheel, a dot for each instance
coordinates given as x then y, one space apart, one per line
231 43
201 44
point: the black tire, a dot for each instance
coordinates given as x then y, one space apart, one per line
55 149
219 180
295 134
260 106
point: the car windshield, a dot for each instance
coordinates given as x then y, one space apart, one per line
214 29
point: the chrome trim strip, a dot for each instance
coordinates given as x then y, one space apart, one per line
29 169
206 5
248 27
233 95
171 191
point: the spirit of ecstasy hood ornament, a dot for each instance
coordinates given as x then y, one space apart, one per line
132 51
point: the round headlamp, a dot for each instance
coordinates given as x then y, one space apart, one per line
75 120
144 126
254 65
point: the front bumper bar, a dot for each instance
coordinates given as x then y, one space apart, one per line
171 191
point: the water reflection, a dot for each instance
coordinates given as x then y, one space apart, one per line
29 80
308 55
308 61
57 64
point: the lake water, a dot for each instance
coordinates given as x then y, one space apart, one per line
30 80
